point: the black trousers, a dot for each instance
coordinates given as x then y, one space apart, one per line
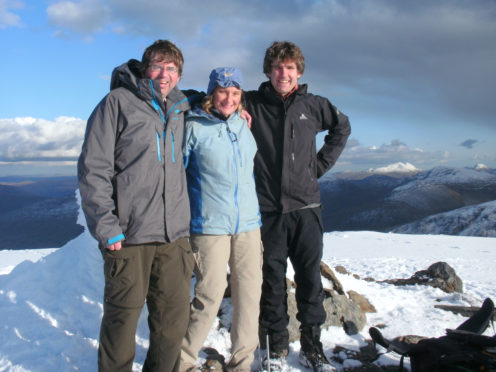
295 235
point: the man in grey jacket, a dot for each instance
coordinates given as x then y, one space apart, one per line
134 196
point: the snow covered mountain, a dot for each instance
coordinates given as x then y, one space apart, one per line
383 202
474 220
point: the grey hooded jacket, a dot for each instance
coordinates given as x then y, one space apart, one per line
131 174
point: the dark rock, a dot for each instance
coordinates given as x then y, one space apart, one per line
350 327
438 275
446 276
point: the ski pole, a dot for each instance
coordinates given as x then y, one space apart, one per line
268 352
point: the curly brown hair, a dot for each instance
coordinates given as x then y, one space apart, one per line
280 51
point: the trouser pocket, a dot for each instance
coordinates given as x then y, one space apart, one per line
122 278
189 257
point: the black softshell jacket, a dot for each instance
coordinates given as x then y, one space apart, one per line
287 164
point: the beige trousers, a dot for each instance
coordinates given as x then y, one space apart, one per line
243 253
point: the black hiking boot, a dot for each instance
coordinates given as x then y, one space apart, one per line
312 354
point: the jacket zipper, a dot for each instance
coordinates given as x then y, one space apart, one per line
157 108
164 121
158 148
292 142
291 135
291 139
177 111
172 143
236 185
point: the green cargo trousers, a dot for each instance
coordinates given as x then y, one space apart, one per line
160 274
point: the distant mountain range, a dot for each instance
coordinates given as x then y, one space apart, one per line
405 199
37 212
42 212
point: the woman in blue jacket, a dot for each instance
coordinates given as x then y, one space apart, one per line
219 150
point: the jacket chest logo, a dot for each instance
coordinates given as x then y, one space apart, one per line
303 117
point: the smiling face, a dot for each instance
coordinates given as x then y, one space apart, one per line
226 100
284 76
166 73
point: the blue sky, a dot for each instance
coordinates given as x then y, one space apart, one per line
416 78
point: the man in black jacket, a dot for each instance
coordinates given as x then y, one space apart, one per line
286 120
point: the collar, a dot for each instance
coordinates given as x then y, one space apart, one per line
218 115
286 95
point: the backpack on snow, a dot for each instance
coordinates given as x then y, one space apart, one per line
460 350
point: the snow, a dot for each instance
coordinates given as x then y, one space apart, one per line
473 220
11 258
481 166
51 300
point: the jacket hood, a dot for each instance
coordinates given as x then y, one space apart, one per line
128 76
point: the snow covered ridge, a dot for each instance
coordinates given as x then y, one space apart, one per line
475 220
386 201
50 309
407 167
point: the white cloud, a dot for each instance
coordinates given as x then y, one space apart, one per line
30 139
86 16
7 17
396 151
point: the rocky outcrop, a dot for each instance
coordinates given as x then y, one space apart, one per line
340 309
438 275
